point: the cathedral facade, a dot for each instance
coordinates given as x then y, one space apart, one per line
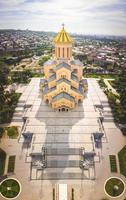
63 86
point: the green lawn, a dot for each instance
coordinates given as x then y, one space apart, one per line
113 164
112 185
100 76
10 188
122 160
11 164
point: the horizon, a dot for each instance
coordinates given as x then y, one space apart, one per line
100 17
71 33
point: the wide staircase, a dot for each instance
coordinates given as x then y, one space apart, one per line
63 163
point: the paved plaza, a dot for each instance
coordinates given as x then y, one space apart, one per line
60 140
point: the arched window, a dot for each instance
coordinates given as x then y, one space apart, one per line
56 51
63 109
59 52
67 52
63 52
47 101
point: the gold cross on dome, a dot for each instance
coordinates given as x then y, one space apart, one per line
63 25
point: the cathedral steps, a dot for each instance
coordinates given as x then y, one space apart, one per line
64 174
62 151
62 163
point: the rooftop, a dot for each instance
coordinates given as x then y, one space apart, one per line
63 64
76 62
63 95
63 37
50 62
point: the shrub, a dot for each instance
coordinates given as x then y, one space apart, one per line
2 161
12 132
11 164
113 164
1 131
122 160
123 131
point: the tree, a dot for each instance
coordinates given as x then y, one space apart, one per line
4 73
1 131
21 76
8 100
43 60
120 85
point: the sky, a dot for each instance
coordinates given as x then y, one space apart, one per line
102 17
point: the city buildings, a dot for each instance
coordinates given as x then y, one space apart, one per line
57 152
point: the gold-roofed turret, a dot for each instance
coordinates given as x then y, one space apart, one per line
63 87
63 37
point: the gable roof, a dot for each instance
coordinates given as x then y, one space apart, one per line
63 95
63 65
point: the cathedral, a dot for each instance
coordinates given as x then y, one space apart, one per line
63 86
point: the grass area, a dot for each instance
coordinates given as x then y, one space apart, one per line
2 161
117 102
39 75
101 76
10 188
11 164
115 106
113 164
12 132
114 187
122 160
102 83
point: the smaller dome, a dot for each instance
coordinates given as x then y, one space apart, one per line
63 37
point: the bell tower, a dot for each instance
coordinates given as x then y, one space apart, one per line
63 45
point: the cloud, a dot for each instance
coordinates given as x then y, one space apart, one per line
84 16
11 3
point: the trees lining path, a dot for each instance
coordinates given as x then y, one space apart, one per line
113 90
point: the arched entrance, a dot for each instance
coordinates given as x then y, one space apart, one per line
63 109
47 101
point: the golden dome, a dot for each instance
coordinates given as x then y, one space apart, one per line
63 37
